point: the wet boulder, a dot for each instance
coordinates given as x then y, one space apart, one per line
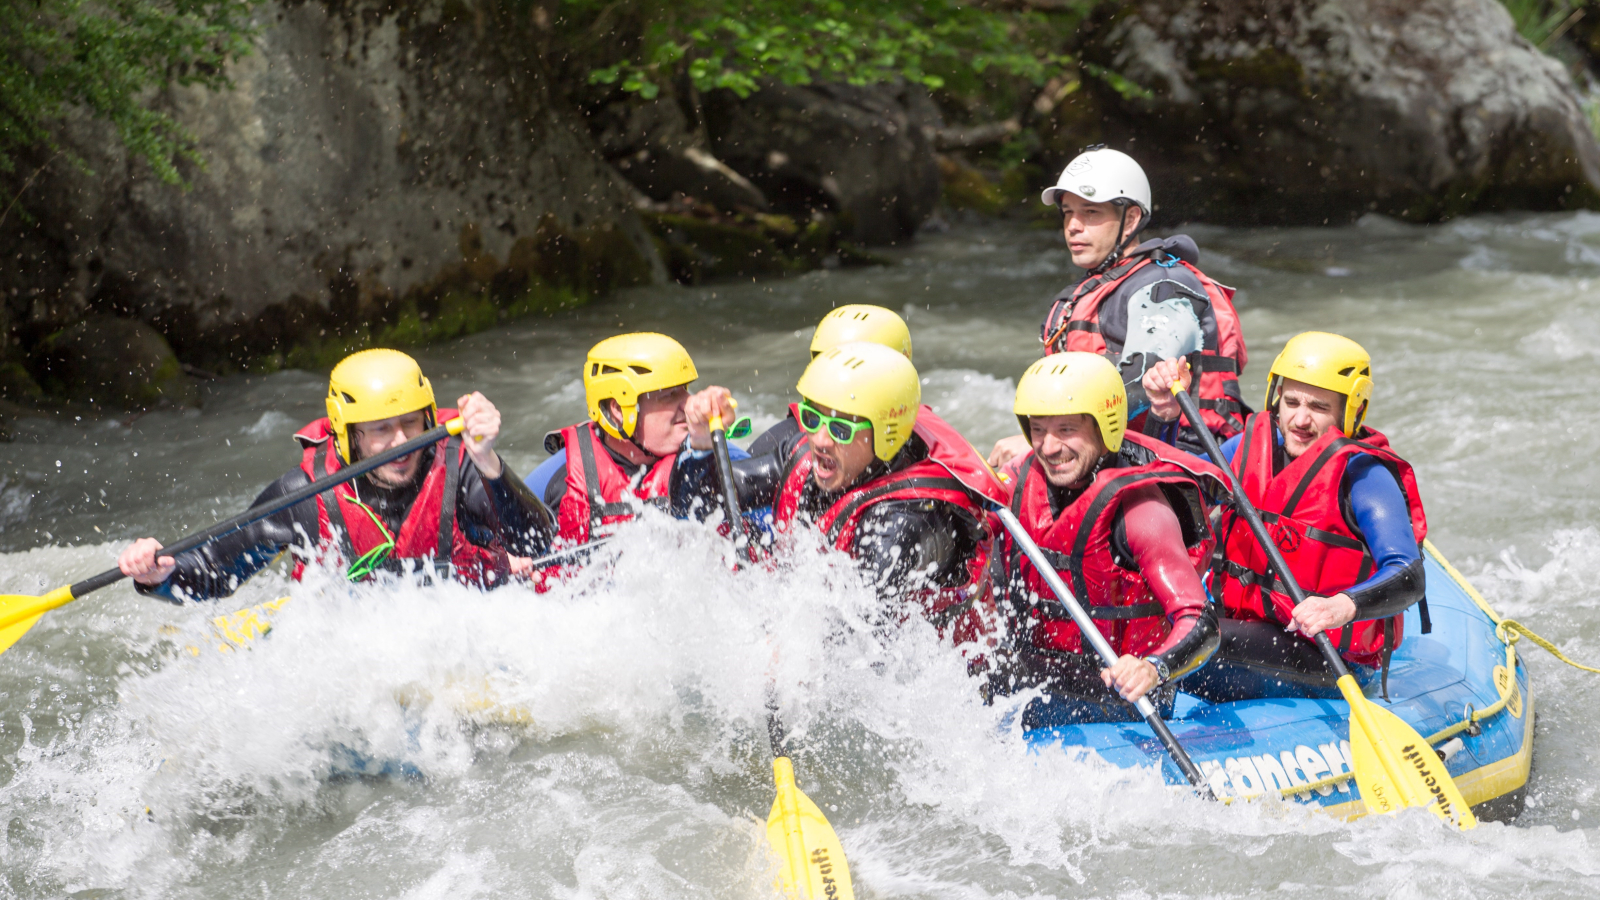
652 144
105 361
861 152
1306 111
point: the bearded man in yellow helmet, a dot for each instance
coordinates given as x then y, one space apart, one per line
601 470
1345 511
902 493
1123 519
454 504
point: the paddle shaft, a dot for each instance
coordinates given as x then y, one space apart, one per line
730 494
278 504
730 508
1102 647
1252 517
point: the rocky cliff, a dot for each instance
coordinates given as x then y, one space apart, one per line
398 173
1312 111
375 166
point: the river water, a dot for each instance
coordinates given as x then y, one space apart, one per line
622 752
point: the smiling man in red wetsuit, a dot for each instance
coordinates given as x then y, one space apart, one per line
1123 519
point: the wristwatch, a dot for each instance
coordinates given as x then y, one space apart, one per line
1163 674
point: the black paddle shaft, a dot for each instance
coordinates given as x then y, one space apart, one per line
730 507
1244 507
1102 648
730 494
277 504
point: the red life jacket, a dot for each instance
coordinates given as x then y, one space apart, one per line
1301 509
1079 542
1074 324
430 530
954 473
599 492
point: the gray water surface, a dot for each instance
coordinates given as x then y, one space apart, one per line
620 751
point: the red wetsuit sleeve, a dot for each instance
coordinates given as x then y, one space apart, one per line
1155 538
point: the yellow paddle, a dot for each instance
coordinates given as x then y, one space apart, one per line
1394 766
811 863
19 612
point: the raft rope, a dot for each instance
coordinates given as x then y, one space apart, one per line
1508 631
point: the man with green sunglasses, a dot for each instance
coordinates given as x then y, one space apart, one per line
899 490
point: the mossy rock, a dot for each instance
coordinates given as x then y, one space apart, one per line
104 361
697 250
966 188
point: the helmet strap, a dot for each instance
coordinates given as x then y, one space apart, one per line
1122 240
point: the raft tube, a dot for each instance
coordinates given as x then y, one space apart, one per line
1461 686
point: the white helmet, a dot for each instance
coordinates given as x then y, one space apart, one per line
1099 174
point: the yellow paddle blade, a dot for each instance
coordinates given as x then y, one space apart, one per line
13 633
19 612
241 627
811 861
1395 767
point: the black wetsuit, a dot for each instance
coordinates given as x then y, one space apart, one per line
501 509
900 545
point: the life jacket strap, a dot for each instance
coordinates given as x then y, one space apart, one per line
599 509
330 503
1323 536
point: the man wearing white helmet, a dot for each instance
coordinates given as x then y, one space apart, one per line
1138 304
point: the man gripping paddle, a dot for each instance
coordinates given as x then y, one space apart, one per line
452 503
1343 509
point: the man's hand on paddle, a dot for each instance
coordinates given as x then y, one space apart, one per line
482 426
1131 677
697 412
141 563
1318 614
1157 384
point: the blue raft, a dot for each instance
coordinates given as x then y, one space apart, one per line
1461 686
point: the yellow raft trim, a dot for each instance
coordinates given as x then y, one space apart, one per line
1495 779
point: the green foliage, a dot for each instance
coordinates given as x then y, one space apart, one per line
107 57
737 44
1542 21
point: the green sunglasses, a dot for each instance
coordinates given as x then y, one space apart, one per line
841 430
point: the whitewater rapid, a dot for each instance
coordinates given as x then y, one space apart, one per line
607 739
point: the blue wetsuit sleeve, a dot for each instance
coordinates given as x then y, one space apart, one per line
1377 507
540 477
1229 448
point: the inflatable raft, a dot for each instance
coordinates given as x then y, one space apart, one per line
1461 686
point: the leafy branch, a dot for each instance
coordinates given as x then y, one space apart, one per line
738 45
107 57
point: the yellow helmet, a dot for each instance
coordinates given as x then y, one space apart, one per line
861 322
622 368
1327 361
1065 384
870 381
373 385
